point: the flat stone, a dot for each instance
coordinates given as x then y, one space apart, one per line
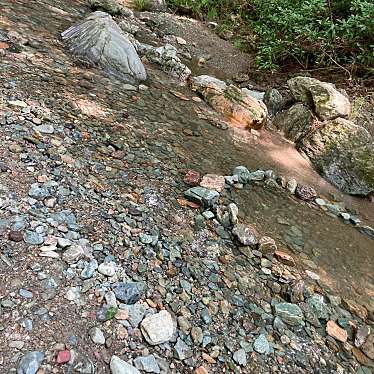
33 238
30 362
284 258
336 332
118 366
182 351
158 328
147 364
73 254
97 336
289 313
45 129
240 357
128 293
107 268
261 345
213 182
202 196
26 294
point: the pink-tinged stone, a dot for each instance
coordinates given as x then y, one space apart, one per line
192 178
63 357
213 182
336 332
284 258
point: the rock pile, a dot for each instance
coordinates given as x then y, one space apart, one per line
340 150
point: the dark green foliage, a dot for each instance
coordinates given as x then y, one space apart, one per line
323 32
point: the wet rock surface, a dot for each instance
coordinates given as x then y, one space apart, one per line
96 209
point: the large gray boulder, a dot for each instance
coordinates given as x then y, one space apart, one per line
323 97
296 122
237 106
98 40
344 153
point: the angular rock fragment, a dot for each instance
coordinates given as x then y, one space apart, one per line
289 313
202 196
246 234
158 328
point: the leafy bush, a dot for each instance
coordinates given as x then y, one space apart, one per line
310 32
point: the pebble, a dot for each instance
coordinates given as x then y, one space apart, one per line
118 366
63 357
30 362
158 328
33 238
26 294
128 293
97 336
107 268
261 345
240 357
147 364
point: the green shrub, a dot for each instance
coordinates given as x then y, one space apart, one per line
311 32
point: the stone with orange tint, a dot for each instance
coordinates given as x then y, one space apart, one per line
284 258
336 332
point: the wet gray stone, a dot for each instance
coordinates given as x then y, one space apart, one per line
147 364
30 362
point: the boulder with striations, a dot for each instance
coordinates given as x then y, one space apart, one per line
98 40
237 106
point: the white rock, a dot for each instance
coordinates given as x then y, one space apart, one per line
118 366
97 336
158 328
107 268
